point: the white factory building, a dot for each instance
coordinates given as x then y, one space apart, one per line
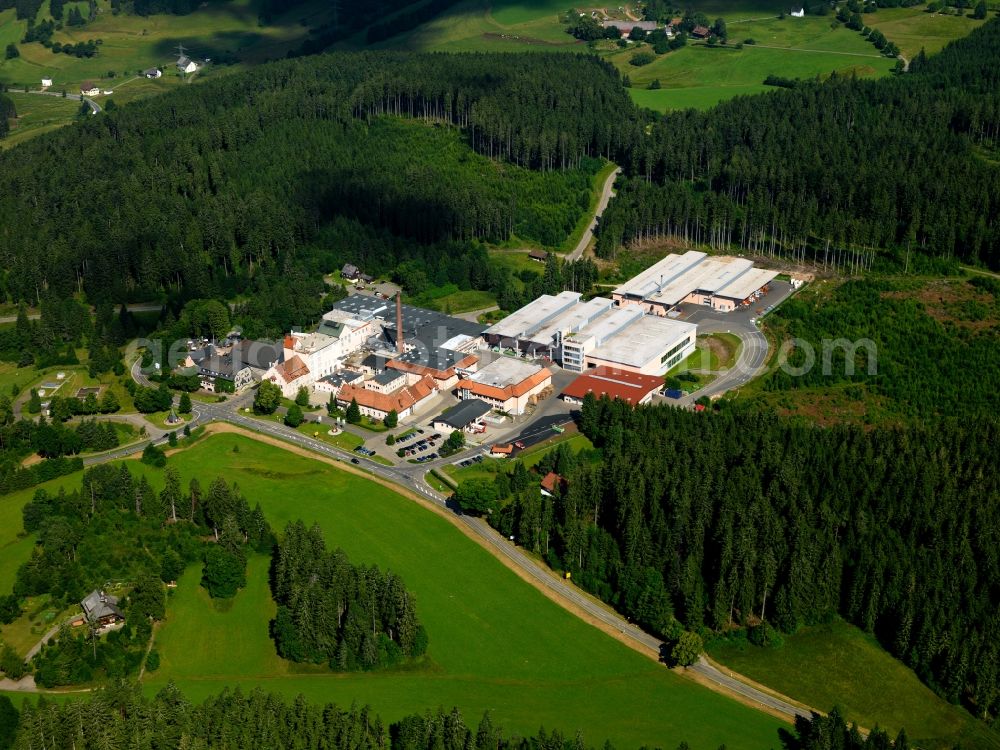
721 282
582 335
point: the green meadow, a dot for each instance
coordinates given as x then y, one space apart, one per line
219 29
496 643
700 76
915 31
501 26
38 114
837 664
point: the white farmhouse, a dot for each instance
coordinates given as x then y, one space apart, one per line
186 65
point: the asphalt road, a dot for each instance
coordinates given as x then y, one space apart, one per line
602 203
142 307
411 476
741 323
94 106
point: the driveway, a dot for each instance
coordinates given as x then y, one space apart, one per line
742 323
606 193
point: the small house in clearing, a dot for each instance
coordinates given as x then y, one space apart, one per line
540 255
700 32
46 82
798 13
101 609
186 65
349 271
152 73
89 89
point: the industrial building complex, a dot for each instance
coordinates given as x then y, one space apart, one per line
385 356
724 283
581 335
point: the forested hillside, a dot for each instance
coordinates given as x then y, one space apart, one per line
735 516
223 187
921 334
905 162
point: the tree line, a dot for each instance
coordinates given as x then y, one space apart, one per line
736 517
7 113
330 611
120 715
188 204
896 163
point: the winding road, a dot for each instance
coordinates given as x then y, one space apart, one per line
606 194
412 477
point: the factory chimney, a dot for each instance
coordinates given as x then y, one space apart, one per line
399 323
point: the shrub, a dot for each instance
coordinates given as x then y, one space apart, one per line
642 58
154 456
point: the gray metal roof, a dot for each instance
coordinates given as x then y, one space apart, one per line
98 604
464 413
387 376
426 328
435 357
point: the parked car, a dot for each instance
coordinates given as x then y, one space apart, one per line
519 444
355 461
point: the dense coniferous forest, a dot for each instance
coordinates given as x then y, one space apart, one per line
120 715
903 162
330 611
184 196
735 516
225 187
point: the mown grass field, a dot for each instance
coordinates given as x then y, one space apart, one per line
696 76
37 114
916 31
501 26
838 664
496 643
700 76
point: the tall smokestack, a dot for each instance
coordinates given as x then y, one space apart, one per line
399 323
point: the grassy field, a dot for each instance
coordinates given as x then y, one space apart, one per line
38 114
700 76
225 31
219 29
697 76
347 441
76 377
14 548
500 26
464 300
916 31
716 351
495 643
837 664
